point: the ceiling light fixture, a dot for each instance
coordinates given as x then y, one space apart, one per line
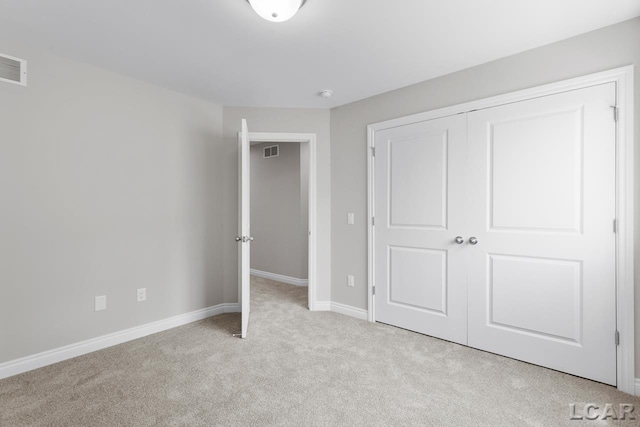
276 10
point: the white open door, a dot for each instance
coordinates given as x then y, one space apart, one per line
244 230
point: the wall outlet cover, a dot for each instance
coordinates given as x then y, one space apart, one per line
142 294
101 303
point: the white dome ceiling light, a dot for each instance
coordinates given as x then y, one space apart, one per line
276 10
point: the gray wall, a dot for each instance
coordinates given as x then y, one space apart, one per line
107 185
277 193
277 120
600 50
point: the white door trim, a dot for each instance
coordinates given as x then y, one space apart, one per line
258 137
623 77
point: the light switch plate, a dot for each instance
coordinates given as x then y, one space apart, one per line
351 218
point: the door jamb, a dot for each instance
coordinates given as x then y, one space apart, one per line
623 78
258 137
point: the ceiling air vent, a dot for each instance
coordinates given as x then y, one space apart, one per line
271 151
13 70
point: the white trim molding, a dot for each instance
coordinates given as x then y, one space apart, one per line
625 233
637 387
280 278
623 79
323 306
347 310
28 363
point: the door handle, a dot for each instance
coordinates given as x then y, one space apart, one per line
473 240
238 238
244 239
459 240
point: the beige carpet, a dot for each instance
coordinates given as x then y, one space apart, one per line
296 368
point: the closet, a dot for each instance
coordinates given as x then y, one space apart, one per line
495 229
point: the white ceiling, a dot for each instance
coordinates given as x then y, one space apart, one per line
222 51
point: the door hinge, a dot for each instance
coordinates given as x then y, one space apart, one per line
373 220
616 112
373 290
615 225
373 151
617 338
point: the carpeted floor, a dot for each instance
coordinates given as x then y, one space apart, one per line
297 368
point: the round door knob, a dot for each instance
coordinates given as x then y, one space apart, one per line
473 240
238 238
459 240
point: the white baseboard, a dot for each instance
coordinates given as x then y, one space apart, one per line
348 310
637 386
280 278
336 307
322 306
28 363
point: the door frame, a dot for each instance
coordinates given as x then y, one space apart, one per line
625 308
310 138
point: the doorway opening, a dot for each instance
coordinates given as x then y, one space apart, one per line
283 208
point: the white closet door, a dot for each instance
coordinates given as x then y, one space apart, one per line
542 206
420 191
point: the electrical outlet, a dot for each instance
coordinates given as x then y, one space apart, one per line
100 303
142 294
351 281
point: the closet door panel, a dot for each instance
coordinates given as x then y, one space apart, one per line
542 205
420 273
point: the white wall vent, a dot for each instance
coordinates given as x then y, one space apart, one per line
13 70
271 151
